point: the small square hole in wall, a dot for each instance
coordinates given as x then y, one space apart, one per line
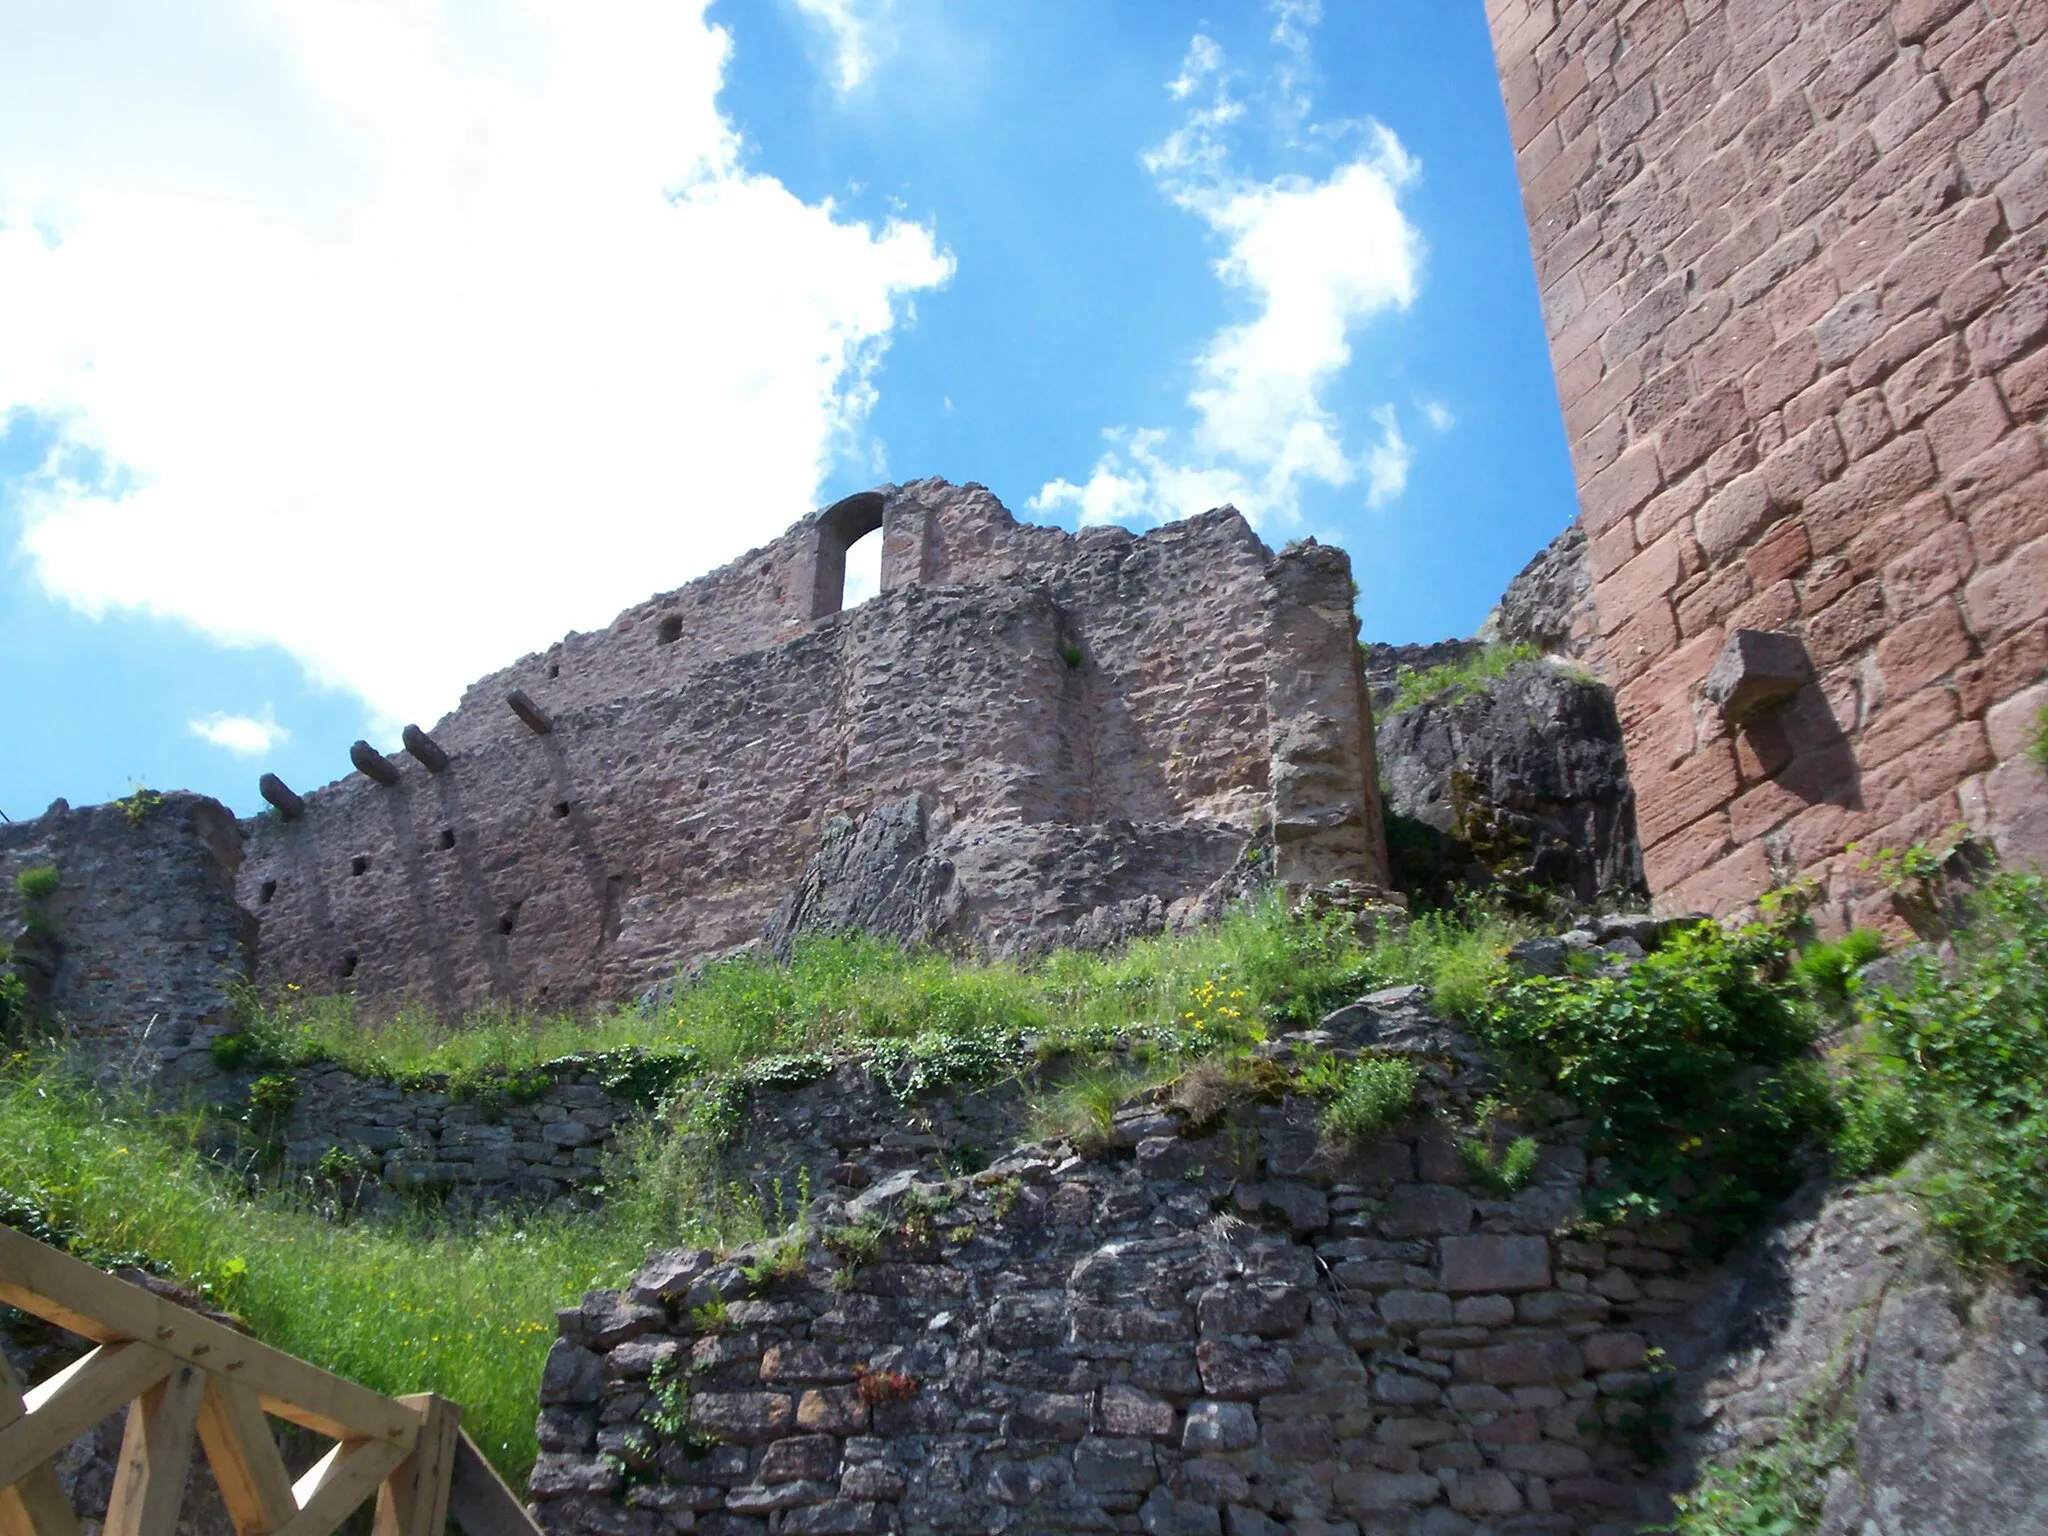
510 920
447 837
359 865
670 630
348 966
561 809
554 669
703 781
269 890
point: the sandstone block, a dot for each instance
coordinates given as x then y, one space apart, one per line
1242 1370
1128 1413
572 1374
832 1410
800 1457
1114 1465
1756 669
1496 1263
1269 1311
743 1418
1220 1426
1426 1210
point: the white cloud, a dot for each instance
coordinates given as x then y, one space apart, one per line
1387 461
1438 415
860 32
1316 258
240 734
409 337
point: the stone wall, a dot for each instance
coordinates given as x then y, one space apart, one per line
1791 255
1205 1327
147 941
1139 706
1216 1325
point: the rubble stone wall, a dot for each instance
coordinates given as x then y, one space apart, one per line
147 940
1793 256
1111 686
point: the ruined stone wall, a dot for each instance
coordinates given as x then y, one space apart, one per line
1791 258
144 930
1145 702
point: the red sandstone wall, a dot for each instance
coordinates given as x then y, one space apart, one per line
682 789
1791 254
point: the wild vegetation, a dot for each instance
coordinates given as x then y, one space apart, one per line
1454 680
1696 1069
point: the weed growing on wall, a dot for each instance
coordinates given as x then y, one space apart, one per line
1361 1099
1959 1063
36 884
1693 1067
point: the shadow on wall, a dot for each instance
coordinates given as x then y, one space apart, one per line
1800 751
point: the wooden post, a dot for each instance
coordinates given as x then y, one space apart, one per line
425 748
414 1499
275 790
373 764
242 1451
530 712
156 1454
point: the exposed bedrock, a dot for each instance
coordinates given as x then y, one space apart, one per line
1007 888
1522 779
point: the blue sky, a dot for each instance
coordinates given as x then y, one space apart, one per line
350 350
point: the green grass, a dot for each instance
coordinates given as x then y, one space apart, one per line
2038 747
468 1311
1454 680
393 1306
1256 971
36 883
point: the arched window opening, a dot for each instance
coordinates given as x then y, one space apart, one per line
856 521
863 570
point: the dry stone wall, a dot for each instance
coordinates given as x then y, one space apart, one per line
1203 1328
1088 720
1792 265
1218 1325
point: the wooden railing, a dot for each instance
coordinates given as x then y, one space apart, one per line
188 1380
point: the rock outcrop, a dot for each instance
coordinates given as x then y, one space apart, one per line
1011 889
1521 779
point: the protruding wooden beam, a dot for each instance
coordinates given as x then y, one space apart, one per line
425 748
530 712
373 764
279 794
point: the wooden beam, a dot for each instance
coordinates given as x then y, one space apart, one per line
107 1310
373 764
338 1482
425 748
479 1501
37 1505
530 712
156 1455
242 1451
73 1401
414 1499
279 794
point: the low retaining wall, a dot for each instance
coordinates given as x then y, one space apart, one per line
1188 1333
